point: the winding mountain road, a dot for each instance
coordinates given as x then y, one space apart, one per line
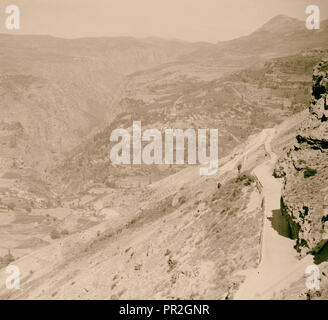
279 266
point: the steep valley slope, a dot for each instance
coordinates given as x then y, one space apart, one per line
239 104
169 246
60 90
162 243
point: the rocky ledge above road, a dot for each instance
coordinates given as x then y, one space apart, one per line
304 199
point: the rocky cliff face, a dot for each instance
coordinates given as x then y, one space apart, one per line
305 170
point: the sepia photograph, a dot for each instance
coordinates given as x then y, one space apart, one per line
163 150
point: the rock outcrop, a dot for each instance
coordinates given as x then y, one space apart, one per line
305 171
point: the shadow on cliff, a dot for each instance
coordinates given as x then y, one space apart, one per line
322 255
280 224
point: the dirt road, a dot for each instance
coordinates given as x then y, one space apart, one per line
279 266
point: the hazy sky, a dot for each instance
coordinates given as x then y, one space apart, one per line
194 20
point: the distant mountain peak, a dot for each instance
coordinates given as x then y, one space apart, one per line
282 23
281 17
